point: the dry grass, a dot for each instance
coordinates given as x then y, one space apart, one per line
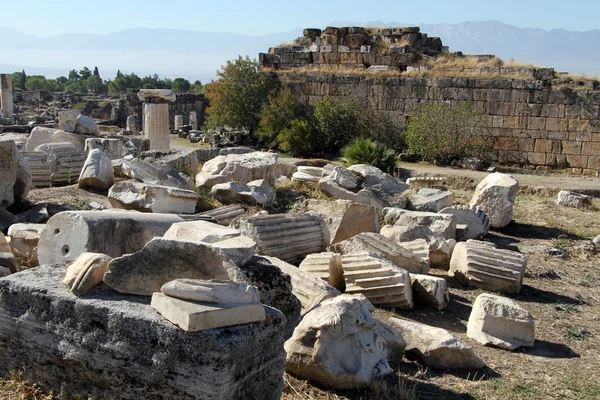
14 387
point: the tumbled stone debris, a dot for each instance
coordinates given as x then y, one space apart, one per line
117 346
289 237
86 272
379 245
211 291
133 195
67 163
69 234
435 347
474 217
344 218
8 172
224 215
430 291
163 260
382 282
431 200
97 171
496 194
419 182
341 345
573 199
327 266
405 226
24 243
479 265
241 168
200 231
41 167
500 322
154 172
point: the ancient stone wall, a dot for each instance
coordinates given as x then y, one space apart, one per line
530 121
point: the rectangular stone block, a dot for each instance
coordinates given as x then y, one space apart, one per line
594 163
579 125
536 123
506 143
577 161
112 346
547 146
526 144
552 135
571 148
590 149
536 158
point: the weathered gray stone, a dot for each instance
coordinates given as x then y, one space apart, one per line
24 179
131 125
156 173
113 148
260 193
435 347
289 237
67 161
86 272
475 218
165 95
211 291
496 194
379 245
41 167
24 240
432 200
133 195
341 345
8 172
117 346
382 282
163 260
97 172
498 321
430 291
344 218
241 168
476 264
405 226
224 215
69 234
86 126
573 199
327 266
67 120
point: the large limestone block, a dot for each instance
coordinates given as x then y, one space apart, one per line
475 218
496 194
41 167
341 345
310 290
476 264
382 282
381 246
97 172
430 291
195 317
431 200
118 347
327 266
344 218
86 272
24 178
289 237
239 249
405 226
67 161
241 168
236 192
224 215
156 173
133 195
163 95
200 231
163 260
573 199
498 321
69 234
24 243
379 180
67 120
8 172
435 347
41 135
275 288
349 185
211 291
86 126
113 148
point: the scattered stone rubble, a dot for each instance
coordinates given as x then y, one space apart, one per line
573 199
496 194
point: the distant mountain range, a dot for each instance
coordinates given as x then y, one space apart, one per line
197 55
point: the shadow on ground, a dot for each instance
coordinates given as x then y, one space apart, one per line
546 349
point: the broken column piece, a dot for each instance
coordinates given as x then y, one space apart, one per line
476 264
289 237
156 116
194 120
114 233
327 266
224 215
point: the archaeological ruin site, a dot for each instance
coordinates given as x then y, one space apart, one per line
239 243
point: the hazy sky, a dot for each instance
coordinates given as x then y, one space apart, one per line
257 17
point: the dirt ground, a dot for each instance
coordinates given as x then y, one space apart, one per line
561 289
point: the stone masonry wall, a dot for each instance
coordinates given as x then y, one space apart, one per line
531 122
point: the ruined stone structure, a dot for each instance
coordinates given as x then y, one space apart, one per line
531 120
6 95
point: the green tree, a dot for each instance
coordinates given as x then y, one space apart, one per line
75 87
238 95
19 79
196 87
73 75
36 82
96 72
61 80
85 73
298 138
337 121
277 114
445 132
181 85
121 83
119 74
93 83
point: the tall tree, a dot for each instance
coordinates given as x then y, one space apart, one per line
237 97
85 73
181 85
96 72
73 75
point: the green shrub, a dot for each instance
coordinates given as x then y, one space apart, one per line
445 132
298 139
380 127
337 121
365 151
277 114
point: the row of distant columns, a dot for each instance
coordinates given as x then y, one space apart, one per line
6 95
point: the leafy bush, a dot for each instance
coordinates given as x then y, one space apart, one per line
298 138
365 151
445 132
337 121
380 127
281 109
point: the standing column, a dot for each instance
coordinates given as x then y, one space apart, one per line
156 116
131 125
194 120
6 95
178 123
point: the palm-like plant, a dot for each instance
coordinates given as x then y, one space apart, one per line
365 151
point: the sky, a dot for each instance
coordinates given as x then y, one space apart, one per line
259 17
